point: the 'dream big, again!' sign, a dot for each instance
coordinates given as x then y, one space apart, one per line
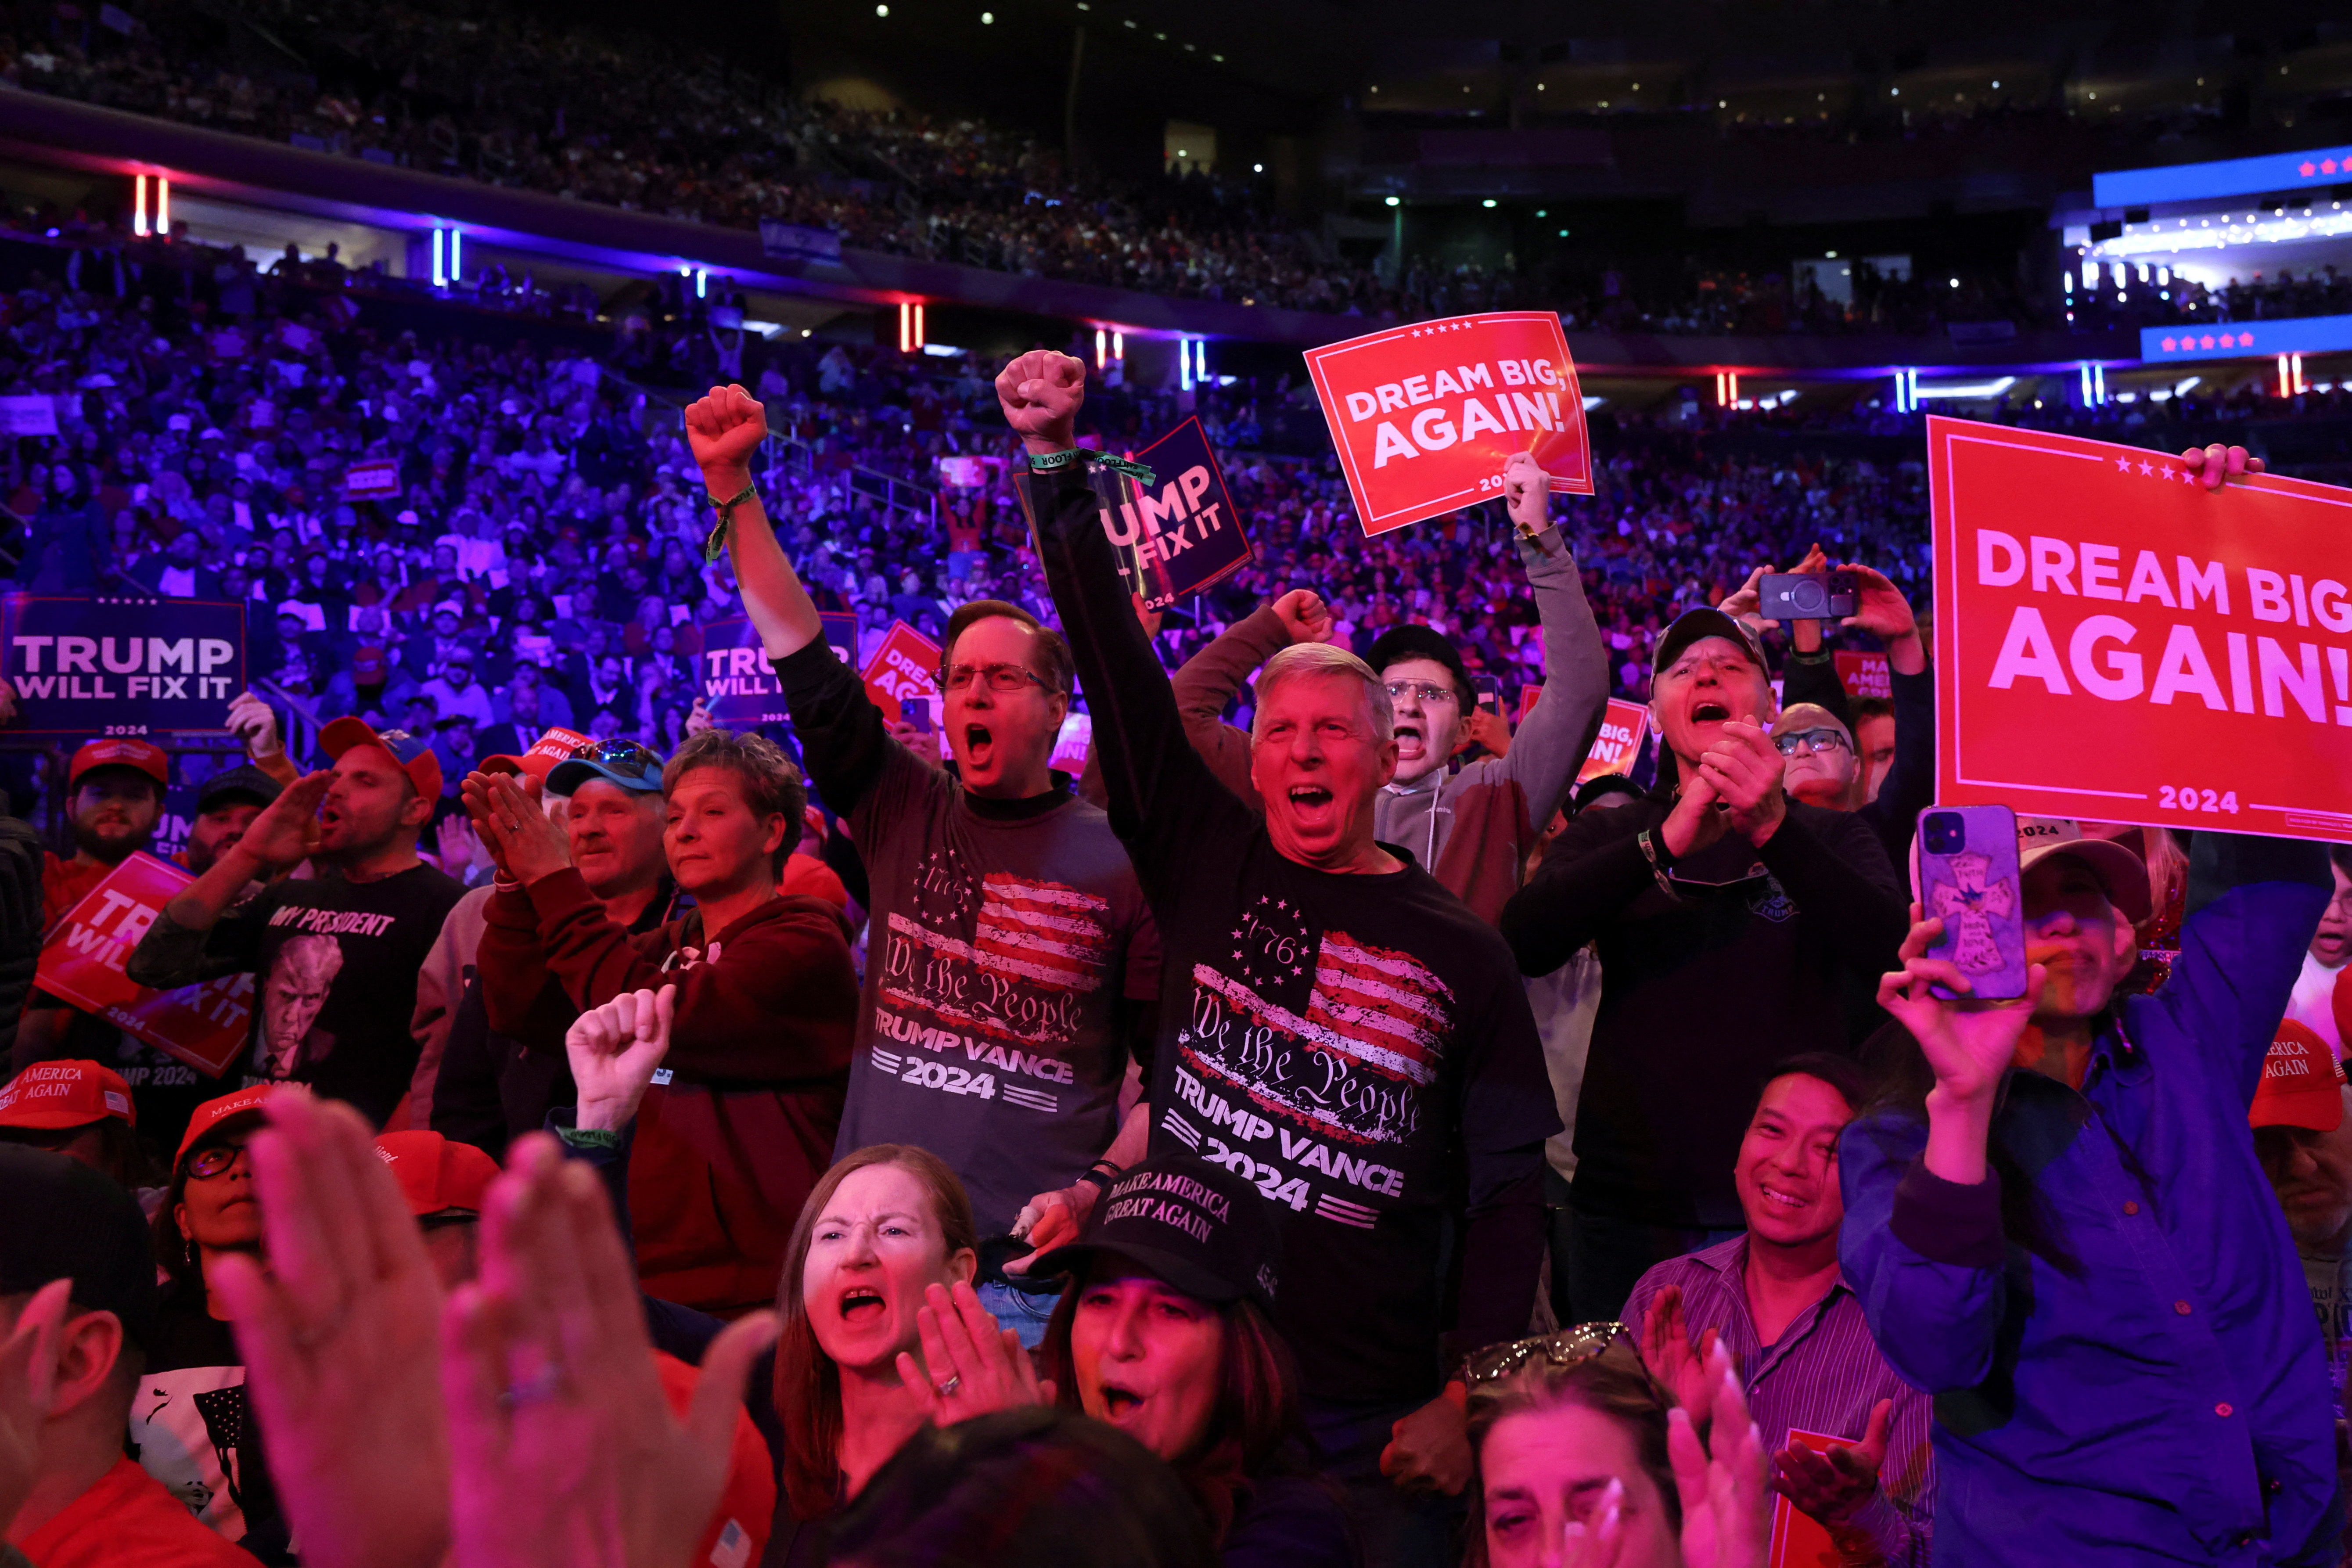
1424 416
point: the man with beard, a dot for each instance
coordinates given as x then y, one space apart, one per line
113 811
225 807
114 798
373 898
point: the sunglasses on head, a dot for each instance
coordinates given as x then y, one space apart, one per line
624 757
1565 1348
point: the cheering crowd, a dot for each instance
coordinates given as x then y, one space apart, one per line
1322 1131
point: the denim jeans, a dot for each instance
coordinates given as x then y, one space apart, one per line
1607 1257
1398 1529
1019 1310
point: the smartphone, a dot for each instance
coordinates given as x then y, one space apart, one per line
1806 596
916 711
1969 879
1490 692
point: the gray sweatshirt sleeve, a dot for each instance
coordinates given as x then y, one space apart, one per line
1551 747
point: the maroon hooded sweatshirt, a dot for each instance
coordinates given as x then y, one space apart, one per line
727 1149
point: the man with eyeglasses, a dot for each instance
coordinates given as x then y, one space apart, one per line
1011 962
1818 760
1736 926
1349 1033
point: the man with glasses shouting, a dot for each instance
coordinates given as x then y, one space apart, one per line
1012 965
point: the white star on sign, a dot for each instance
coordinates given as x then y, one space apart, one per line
2122 465
2147 467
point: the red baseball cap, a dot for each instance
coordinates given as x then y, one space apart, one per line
65 1094
2301 1081
209 1116
120 752
436 1174
738 1531
539 760
415 755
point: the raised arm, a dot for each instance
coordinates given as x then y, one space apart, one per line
1549 749
724 430
2253 904
1165 802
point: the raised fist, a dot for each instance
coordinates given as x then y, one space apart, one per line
1526 493
1305 615
1041 393
723 430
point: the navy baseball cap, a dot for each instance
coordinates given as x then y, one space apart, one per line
65 1221
247 782
1697 626
625 762
1197 1226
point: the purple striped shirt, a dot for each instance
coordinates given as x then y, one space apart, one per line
1824 1374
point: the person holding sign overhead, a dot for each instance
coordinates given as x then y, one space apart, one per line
1349 1035
1013 962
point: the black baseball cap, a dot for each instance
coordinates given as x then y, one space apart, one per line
1198 1227
1697 626
246 781
65 1221
1411 641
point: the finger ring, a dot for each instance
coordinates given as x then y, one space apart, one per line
947 1389
545 1385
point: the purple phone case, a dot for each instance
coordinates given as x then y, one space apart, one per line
1977 893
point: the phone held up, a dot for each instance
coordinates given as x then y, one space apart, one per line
1969 879
1806 596
916 711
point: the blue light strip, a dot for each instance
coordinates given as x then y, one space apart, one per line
2245 340
2277 172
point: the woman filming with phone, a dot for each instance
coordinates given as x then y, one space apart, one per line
2055 1219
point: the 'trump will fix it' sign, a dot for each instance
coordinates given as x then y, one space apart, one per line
1424 416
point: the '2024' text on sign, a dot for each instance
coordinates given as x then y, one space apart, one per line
2113 642
1425 416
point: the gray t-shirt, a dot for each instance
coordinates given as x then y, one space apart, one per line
1002 935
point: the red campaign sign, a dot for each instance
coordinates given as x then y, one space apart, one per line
902 669
1798 1540
82 963
1618 744
2114 643
1863 674
1423 415
372 477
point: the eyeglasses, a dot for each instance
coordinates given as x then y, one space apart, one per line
1005 677
214 1161
1818 740
1399 690
1566 1347
624 757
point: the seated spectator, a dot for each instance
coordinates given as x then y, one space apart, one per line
191 1429
1728 921
2304 1141
1164 1332
1775 1299
83 1112
1434 1065
729 1149
335 955
2322 1002
2055 1229
78 1280
1576 1445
